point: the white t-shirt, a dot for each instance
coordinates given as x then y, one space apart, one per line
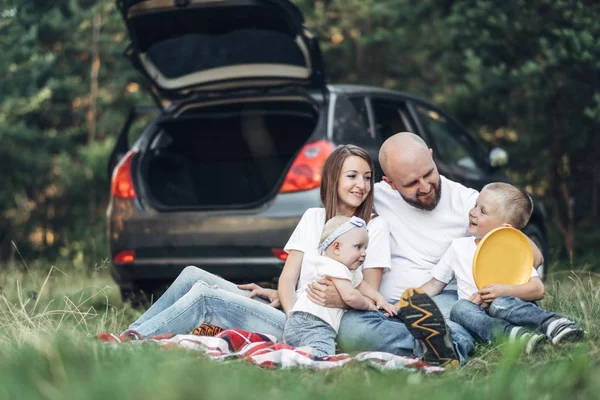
308 232
325 267
419 238
458 262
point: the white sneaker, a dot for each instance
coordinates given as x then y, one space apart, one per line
563 330
531 340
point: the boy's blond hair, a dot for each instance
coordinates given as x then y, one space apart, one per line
331 225
515 204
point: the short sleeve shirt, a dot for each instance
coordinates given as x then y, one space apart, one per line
325 267
457 262
305 238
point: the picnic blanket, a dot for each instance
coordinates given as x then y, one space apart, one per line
264 351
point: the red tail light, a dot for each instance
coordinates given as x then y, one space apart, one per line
305 173
280 253
122 184
124 257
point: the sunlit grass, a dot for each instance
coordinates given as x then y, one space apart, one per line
48 320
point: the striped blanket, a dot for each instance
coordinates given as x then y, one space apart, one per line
264 351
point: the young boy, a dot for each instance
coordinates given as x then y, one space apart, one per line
498 310
343 244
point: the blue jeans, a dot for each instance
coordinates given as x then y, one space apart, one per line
305 329
197 296
503 314
373 331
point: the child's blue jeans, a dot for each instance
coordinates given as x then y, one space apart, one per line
305 329
503 314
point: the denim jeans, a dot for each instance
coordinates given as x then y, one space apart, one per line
197 296
305 329
373 331
503 314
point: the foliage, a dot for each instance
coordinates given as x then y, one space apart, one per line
524 75
65 97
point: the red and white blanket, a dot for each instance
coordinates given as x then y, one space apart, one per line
264 351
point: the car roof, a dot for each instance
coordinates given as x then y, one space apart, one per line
373 90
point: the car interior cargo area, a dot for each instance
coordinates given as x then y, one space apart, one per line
236 157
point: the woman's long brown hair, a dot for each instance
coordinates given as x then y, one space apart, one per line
331 176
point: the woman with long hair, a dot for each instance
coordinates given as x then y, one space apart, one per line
197 296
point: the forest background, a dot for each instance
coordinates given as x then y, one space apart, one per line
521 74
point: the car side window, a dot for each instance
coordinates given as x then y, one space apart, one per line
451 143
391 117
351 121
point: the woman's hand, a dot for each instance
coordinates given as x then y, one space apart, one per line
267 294
324 293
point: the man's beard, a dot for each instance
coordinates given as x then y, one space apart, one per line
437 188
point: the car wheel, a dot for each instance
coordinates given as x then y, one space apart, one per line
142 296
535 234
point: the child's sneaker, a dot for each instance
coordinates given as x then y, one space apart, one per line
426 323
531 340
563 330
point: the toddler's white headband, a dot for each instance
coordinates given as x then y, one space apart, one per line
345 227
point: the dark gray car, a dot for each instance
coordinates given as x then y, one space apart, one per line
221 176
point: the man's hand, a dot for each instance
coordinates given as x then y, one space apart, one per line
268 294
492 291
324 293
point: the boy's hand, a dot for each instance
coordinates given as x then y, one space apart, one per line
492 291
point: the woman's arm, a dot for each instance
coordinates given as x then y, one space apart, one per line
325 293
288 280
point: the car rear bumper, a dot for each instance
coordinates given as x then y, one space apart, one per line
166 270
237 246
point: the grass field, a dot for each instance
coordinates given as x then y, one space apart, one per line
48 351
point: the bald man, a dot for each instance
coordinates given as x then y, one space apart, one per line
425 213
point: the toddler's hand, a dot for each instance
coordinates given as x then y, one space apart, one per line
388 309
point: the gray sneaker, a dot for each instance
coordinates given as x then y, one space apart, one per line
563 330
532 341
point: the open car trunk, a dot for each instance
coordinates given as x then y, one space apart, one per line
233 156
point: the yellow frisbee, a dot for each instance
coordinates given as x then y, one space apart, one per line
503 256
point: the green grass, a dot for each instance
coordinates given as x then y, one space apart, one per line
48 351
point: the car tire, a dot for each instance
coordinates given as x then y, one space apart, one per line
142 295
535 234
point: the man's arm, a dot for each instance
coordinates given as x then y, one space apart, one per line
538 257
